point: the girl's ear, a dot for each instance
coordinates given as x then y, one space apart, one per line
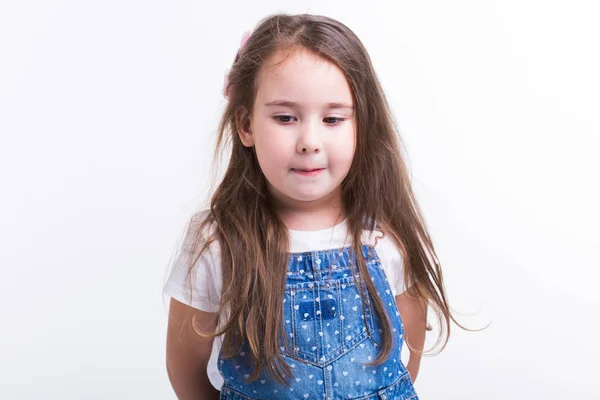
242 119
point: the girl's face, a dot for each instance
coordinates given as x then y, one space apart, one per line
303 129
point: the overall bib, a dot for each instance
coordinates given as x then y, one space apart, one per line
327 337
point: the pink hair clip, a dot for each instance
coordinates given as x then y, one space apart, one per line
245 38
225 90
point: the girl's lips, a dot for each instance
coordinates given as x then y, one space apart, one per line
307 172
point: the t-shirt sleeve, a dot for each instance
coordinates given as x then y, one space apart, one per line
393 265
200 288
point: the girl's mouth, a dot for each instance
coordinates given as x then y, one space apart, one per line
307 172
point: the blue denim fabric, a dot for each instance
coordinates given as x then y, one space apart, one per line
328 341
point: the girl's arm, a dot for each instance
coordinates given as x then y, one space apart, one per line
188 353
414 317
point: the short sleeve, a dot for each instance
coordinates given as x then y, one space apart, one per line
393 264
200 288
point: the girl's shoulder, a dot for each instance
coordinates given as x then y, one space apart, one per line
201 227
195 276
390 257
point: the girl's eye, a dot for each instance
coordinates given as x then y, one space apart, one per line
283 118
333 120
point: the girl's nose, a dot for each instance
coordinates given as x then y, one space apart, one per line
308 149
308 141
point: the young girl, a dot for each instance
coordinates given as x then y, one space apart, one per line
313 264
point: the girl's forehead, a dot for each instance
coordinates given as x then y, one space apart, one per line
298 71
286 63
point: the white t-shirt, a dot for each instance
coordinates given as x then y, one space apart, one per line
207 279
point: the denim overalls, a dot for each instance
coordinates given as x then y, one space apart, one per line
323 318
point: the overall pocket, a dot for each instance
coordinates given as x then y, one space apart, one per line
324 319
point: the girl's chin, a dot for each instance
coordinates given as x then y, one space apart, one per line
307 197
294 193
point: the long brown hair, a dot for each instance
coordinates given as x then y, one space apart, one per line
376 194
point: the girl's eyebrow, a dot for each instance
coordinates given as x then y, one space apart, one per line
292 104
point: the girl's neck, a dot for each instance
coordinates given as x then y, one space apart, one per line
312 220
309 216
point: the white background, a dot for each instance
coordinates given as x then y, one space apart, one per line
107 117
